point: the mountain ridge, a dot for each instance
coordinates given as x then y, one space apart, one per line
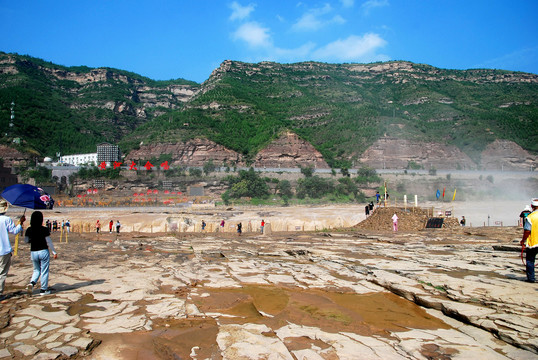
341 109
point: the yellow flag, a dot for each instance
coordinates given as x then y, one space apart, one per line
454 197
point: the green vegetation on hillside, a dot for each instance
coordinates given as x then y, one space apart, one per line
342 112
53 115
341 109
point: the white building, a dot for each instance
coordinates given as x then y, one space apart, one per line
79 159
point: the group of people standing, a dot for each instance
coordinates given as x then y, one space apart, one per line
239 226
110 226
56 225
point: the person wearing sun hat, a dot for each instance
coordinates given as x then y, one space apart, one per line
530 240
6 226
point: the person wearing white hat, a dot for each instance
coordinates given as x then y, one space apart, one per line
530 240
6 226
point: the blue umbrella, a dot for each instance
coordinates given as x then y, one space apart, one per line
28 196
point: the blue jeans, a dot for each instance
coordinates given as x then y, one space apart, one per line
41 260
530 256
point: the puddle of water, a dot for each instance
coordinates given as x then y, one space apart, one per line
461 274
173 339
364 314
81 306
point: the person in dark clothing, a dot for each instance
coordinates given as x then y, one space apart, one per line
367 210
524 214
239 228
40 244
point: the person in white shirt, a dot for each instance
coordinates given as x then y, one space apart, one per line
6 226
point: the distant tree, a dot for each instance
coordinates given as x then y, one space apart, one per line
314 187
307 171
209 167
284 189
195 172
247 184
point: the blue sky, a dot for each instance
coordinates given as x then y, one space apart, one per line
169 39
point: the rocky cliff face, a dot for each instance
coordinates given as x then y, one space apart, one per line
13 157
289 151
195 152
392 153
139 92
507 155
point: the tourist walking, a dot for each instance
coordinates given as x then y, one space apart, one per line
40 244
203 225
97 226
262 226
530 240
110 225
239 228
118 226
462 222
6 226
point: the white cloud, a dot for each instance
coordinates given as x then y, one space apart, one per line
347 3
307 22
240 12
371 4
254 35
353 48
315 19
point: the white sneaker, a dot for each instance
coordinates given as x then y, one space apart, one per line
29 288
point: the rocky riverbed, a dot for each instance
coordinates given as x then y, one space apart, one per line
343 293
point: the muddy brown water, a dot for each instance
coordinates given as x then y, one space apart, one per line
367 314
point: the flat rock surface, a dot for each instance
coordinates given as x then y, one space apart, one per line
336 294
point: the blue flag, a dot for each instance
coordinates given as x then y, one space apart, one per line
438 194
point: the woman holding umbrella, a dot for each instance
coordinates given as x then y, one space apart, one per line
40 242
